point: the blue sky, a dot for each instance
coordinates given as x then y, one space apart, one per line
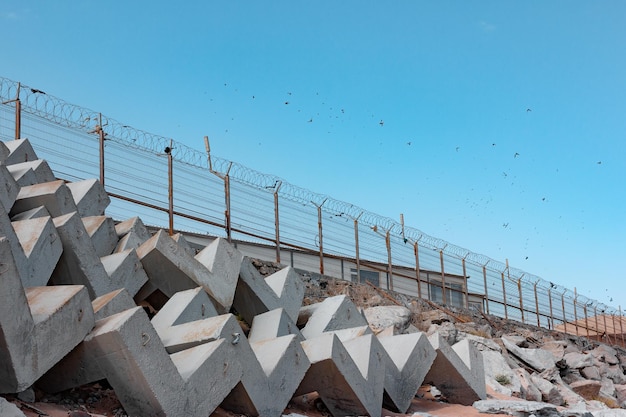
497 126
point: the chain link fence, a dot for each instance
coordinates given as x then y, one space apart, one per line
216 197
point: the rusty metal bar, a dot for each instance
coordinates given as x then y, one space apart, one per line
100 130
621 330
417 269
521 301
465 291
551 313
170 186
595 312
227 212
485 284
506 313
443 277
564 316
207 147
537 304
614 328
389 265
18 113
586 320
575 313
606 333
319 228
356 248
276 221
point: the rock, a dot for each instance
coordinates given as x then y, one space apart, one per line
578 360
8 409
556 347
538 359
606 354
516 408
591 372
549 392
481 343
434 317
586 388
620 394
528 390
381 317
28 395
610 413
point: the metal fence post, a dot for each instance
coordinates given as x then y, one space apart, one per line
465 291
319 231
521 301
18 112
389 265
506 314
276 221
417 267
606 333
564 316
595 312
356 248
227 201
170 187
551 313
100 130
586 320
621 330
537 304
485 285
443 277
575 313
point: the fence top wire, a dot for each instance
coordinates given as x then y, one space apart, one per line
56 110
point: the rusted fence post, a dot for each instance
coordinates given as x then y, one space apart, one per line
170 187
18 112
621 330
586 320
443 276
521 300
418 278
389 264
486 287
595 313
506 314
226 179
564 315
319 231
356 247
277 220
551 313
465 291
537 304
100 130
575 313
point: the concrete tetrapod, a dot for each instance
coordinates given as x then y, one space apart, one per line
38 326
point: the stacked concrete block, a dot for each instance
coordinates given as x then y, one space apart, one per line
31 172
124 269
101 231
184 307
131 233
273 324
256 294
9 189
90 197
450 373
38 326
334 313
19 150
55 196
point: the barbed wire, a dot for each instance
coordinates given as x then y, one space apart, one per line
55 110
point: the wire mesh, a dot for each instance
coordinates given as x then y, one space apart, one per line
136 171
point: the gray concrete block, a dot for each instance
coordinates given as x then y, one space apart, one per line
125 270
171 269
273 324
90 197
101 230
9 189
408 359
8 409
54 195
20 150
31 172
38 326
289 288
184 307
334 313
182 242
451 376
223 260
112 303
339 379
41 247
151 382
134 224
31 214
4 152
79 263
473 359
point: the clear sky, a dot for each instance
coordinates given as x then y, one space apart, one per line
497 126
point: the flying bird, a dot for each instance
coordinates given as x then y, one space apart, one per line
35 91
528 110
516 155
381 123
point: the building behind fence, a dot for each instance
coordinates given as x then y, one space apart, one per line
168 183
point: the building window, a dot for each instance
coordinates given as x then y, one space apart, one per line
454 293
366 276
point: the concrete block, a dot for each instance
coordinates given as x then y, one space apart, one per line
451 376
409 357
289 288
79 263
273 324
8 409
31 172
151 382
334 313
101 230
339 379
54 195
223 260
132 234
112 303
20 150
125 270
9 189
90 197
41 247
38 326
31 214
171 269
184 307
182 242
4 152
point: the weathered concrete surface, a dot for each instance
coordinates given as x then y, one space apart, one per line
31 214
334 313
410 356
31 172
9 189
79 263
125 270
273 324
451 375
90 197
37 326
101 230
20 150
538 359
131 233
172 269
339 379
184 307
256 294
55 196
